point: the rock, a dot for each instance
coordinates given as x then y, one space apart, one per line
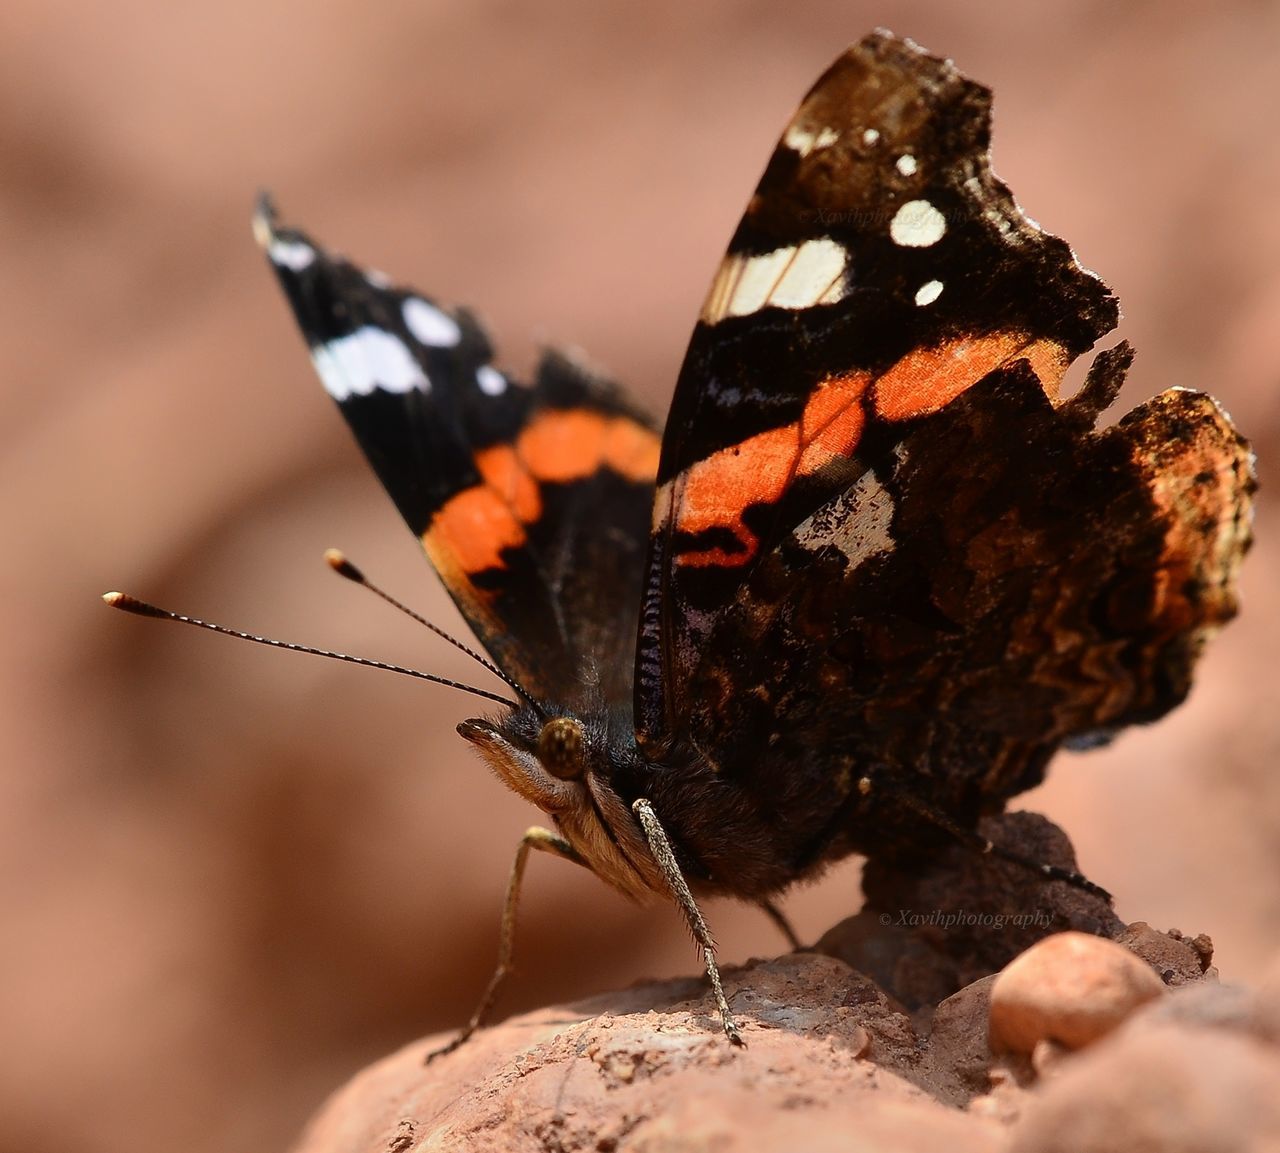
893 1055
934 928
746 1124
1209 1005
1003 1102
833 1063
647 1070
1250 1012
1070 989
1154 1086
1179 960
956 1062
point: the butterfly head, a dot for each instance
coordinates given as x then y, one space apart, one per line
565 765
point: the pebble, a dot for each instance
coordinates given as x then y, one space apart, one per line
1068 989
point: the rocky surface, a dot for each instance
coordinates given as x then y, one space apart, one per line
1157 1086
830 1060
827 1055
1117 1038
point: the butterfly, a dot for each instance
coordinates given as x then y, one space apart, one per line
875 570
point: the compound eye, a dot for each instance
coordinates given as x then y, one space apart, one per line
562 748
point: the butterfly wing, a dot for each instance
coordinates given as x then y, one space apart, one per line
1002 578
531 501
870 489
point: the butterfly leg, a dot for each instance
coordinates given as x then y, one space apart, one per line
660 847
545 841
980 844
779 918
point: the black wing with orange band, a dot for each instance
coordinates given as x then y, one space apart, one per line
839 500
532 501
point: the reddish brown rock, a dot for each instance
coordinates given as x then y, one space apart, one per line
1177 958
879 1051
647 1070
956 1063
741 1123
833 1063
1253 1013
1070 989
1158 1087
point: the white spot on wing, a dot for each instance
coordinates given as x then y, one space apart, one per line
906 164
292 254
790 277
928 292
490 380
758 276
802 139
429 324
816 266
870 136
917 224
798 138
367 359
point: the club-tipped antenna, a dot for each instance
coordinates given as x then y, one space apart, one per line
130 604
337 560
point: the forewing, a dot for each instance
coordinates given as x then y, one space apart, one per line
880 535
880 271
531 501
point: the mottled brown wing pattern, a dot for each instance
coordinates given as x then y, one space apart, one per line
1002 578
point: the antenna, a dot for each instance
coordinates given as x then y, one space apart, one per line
129 604
338 561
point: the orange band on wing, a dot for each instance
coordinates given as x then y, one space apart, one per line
562 445
631 450
929 379
1049 361
506 475
715 492
470 531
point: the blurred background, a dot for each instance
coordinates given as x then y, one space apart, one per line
232 877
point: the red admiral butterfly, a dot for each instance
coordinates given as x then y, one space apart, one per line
876 569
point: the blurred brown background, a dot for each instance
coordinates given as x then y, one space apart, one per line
230 877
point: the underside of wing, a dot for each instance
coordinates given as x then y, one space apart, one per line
532 501
880 271
883 543
1002 578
